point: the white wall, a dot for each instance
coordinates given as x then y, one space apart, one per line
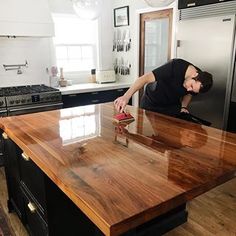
15 51
105 36
33 49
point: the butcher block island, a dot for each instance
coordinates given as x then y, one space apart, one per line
77 172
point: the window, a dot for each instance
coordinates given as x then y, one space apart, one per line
75 43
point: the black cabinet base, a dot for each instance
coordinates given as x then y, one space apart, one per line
232 118
64 215
82 99
9 206
1 160
162 224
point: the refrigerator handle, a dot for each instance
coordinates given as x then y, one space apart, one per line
178 43
233 94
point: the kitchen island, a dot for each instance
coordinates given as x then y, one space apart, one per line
120 176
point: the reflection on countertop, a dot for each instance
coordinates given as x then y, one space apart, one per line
79 124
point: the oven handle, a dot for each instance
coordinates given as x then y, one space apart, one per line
35 107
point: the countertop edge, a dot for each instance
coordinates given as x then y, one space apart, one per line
86 88
90 213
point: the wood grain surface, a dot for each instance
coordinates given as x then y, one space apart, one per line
122 175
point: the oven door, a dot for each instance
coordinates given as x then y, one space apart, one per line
12 111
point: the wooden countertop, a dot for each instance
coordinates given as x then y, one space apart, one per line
122 176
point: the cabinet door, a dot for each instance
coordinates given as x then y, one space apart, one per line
15 200
121 92
82 99
34 222
73 100
32 181
232 118
114 94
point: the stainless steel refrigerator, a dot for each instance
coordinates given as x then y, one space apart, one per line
208 42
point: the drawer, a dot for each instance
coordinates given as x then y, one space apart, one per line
34 222
92 97
32 179
15 201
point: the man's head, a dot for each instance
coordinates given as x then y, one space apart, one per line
199 82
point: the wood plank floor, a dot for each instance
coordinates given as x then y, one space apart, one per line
12 219
213 213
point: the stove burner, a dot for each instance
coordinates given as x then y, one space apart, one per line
29 89
25 96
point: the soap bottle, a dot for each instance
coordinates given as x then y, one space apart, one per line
93 76
53 77
62 81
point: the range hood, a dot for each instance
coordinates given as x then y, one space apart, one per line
30 18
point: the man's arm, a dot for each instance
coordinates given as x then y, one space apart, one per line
185 102
121 102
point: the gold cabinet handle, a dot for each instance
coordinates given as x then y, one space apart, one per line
4 135
25 157
32 207
96 100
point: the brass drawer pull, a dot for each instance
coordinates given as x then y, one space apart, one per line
32 207
25 157
191 4
94 101
4 135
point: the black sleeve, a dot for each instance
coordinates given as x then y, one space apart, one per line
164 71
192 93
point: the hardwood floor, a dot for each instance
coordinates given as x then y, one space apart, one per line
213 213
12 218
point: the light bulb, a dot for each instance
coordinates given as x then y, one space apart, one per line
159 3
87 9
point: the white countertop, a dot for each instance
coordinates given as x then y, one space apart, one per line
92 87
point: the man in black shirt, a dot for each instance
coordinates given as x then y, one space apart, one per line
169 88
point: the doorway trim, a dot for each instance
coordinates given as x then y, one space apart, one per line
147 16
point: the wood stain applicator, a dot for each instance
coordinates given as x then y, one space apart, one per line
123 117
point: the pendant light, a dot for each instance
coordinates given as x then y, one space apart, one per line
87 9
159 3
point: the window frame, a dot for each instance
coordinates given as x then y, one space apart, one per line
95 48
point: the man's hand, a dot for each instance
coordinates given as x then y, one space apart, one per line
120 103
184 109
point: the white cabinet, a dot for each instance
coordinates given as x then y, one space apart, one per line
25 18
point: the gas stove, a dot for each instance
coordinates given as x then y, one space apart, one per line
29 89
27 99
28 95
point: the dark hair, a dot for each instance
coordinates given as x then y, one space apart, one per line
206 80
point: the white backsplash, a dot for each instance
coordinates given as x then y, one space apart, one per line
37 52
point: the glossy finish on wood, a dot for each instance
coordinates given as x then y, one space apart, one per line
121 176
